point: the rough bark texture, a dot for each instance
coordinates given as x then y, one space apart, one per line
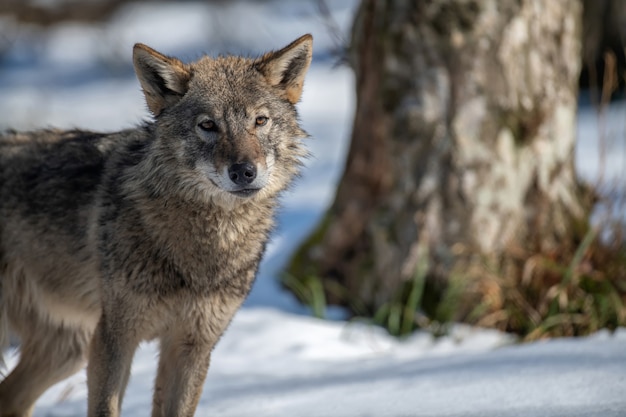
462 145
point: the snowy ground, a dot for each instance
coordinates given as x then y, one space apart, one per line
274 360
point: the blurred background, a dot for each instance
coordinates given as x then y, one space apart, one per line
53 51
469 158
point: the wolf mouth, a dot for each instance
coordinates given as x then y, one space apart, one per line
245 192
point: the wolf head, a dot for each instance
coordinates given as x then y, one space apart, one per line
226 127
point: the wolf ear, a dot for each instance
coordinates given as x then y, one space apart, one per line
286 68
163 79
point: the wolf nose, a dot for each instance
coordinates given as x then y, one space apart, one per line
242 174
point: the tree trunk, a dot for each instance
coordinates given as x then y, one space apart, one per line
462 146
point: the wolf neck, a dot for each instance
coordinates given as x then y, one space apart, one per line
182 219
163 191
209 245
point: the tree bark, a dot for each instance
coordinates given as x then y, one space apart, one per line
462 146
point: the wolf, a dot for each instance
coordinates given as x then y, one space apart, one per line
156 232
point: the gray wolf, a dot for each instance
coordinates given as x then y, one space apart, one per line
155 232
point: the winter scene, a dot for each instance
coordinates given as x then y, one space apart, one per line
453 244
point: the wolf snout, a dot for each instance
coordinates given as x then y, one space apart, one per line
242 173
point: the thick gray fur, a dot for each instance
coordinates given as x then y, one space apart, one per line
156 232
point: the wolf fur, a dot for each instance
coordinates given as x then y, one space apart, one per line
156 232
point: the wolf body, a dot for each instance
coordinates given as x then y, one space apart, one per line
107 240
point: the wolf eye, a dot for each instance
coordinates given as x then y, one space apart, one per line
261 120
208 126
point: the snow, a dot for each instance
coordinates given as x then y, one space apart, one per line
275 360
270 363
601 155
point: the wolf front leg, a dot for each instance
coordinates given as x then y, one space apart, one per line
186 352
183 366
112 349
